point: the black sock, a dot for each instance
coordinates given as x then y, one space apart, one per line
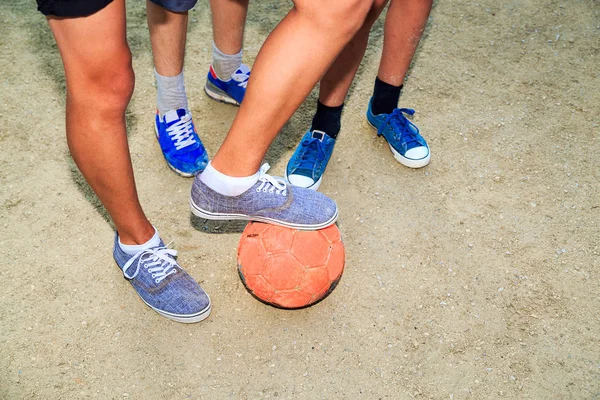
385 97
328 119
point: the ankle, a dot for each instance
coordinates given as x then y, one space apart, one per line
136 235
225 184
171 93
225 65
385 97
328 119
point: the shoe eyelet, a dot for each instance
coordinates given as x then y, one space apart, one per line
156 281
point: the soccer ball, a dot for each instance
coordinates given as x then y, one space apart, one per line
290 268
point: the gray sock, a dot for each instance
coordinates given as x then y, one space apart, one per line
171 93
225 65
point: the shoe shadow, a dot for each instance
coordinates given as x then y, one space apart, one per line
217 227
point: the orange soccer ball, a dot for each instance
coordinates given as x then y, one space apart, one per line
290 268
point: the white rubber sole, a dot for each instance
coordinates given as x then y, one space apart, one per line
407 162
178 172
185 319
315 186
219 96
199 212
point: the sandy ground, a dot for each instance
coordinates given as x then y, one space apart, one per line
473 278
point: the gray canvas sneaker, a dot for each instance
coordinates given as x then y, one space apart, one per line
270 200
162 284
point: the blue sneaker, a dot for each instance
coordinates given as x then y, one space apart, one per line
162 284
409 147
308 163
270 200
231 91
180 143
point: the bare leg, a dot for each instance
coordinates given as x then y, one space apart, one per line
100 82
296 55
229 20
404 25
168 34
336 82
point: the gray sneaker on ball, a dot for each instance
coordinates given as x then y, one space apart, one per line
270 200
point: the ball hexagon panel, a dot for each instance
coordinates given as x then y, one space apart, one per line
337 259
332 233
283 271
291 298
260 287
277 240
310 248
314 280
253 254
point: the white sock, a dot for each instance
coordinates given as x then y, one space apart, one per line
227 185
171 93
133 249
225 65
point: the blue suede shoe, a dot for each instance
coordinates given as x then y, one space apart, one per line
270 200
162 284
307 165
231 91
180 143
407 145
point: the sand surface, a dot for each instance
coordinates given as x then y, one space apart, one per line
476 277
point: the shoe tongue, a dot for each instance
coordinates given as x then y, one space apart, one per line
243 69
320 135
174 116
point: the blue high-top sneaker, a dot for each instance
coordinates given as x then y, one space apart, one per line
407 145
231 91
179 142
308 163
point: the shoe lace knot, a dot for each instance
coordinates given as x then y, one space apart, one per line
182 132
270 184
158 261
403 129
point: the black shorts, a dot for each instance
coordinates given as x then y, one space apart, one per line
71 8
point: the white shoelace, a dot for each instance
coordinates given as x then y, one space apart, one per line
269 183
156 261
182 132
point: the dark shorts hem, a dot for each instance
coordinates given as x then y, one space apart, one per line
71 8
176 5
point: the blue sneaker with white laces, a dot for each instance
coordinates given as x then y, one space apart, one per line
231 91
184 152
162 284
307 165
407 145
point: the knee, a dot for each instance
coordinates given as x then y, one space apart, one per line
343 17
107 84
120 83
